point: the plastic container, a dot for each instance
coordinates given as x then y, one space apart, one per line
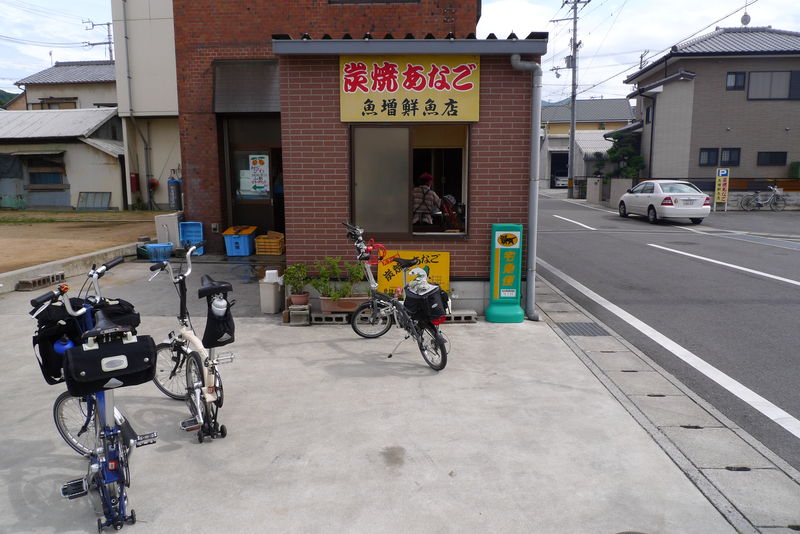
240 240
158 251
271 294
191 233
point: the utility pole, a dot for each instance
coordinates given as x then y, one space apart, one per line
108 42
573 64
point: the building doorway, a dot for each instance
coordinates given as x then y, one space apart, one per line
559 169
253 172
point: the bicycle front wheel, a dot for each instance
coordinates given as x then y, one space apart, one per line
432 347
777 203
194 383
372 319
75 422
170 377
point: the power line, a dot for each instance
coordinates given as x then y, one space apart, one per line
667 48
42 43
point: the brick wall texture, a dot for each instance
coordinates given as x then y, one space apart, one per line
315 143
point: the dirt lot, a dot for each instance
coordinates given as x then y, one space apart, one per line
29 238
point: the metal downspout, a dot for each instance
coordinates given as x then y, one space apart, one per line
145 140
533 186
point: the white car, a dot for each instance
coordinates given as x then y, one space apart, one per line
665 199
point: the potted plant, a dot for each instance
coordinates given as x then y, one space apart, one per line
295 278
335 282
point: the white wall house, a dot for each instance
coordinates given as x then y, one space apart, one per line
147 92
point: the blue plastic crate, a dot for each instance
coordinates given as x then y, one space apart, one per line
240 240
158 251
191 233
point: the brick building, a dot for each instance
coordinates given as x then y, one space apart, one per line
268 80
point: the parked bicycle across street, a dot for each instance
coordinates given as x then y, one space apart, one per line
187 366
776 200
424 308
91 344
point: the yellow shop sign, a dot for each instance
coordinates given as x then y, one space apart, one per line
390 275
409 88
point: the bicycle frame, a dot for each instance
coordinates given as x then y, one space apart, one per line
108 470
187 342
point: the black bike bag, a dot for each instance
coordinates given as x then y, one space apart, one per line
93 366
433 304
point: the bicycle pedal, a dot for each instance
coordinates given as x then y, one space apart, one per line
74 489
190 425
225 357
146 439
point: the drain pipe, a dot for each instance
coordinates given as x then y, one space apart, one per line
533 179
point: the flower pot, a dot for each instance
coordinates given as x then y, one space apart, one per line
299 300
342 305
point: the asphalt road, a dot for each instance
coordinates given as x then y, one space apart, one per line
726 292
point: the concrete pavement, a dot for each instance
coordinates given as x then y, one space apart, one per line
551 426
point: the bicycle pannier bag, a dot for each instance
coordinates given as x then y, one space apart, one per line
433 304
93 367
220 328
120 312
53 324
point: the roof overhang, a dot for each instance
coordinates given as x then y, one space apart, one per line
658 86
112 148
536 45
630 128
37 153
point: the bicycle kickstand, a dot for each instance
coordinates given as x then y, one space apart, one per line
398 344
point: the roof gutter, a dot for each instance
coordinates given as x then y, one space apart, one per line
680 75
533 180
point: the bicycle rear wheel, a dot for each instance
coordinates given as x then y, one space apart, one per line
372 319
432 347
70 415
170 376
748 203
777 203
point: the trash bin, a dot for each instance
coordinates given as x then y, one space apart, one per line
174 191
271 293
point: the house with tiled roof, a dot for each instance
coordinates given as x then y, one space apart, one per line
62 158
727 99
71 85
593 119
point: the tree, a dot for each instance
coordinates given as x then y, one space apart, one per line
625 153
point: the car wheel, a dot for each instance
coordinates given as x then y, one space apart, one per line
623 211
696 220
652 216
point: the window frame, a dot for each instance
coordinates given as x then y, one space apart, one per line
730 162
410 233
709 163
43 167
769 155
738 76
792 87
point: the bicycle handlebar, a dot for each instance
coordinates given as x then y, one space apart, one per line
46 297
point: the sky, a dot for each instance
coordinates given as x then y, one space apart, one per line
613 34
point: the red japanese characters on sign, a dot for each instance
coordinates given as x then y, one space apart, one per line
386 77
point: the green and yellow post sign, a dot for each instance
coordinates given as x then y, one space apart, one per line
506 275
409 88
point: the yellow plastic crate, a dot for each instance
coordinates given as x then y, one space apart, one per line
271 244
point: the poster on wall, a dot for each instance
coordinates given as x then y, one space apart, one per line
409 88
390 275
255 180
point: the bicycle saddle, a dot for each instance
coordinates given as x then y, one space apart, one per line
212 287
104 326
406 263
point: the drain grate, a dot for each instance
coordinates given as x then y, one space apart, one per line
582 329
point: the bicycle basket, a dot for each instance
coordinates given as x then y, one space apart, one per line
90 368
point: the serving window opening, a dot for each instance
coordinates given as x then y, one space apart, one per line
410 179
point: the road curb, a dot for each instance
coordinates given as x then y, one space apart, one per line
734 512
73 266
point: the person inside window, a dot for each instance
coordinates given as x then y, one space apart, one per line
425 201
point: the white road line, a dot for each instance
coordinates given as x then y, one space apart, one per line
729 265
736 388
574 222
